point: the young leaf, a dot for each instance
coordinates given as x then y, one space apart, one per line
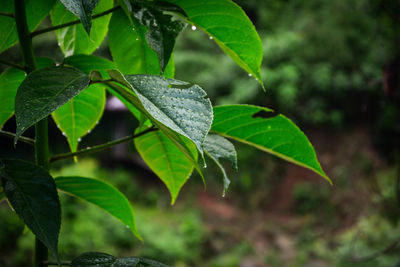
91 259
180 106
162 32
74 39
33 195
231 29
263 129
129 48
83 10
89 63
10 80
217 147
44 91
36 11
80 115
166 160
102 195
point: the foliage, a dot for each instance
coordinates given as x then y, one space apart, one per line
175 117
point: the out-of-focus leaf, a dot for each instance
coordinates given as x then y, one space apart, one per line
83 10
102 195
44 91
73 39
166 160
36 11
217 148
231 29
33 195
262 128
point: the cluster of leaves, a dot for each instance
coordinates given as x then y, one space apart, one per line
177 123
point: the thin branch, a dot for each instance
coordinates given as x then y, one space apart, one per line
23 139
51 263
11 64
376 254
35 33
101 147
5 14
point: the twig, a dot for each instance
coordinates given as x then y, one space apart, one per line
376 254
101 147
11 64
21 138
35 33
5 14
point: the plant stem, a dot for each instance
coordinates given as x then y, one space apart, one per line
27 140
50 29
12 64
101 147
41 144
5 14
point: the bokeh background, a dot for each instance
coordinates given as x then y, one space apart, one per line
332 67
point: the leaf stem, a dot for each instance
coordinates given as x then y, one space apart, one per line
101 147
57 27
22 138
5 14
12 64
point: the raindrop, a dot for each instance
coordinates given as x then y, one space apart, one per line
26 74
64 134
211 38
250 75
79 139
137 38
88 147
127 226
194 27
89 131
59 44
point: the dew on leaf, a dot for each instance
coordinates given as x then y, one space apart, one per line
194 27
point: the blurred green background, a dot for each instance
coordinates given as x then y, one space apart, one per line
331 66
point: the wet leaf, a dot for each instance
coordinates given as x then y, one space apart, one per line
217 148
33 195
83 10
276 135
93 259
102 195
74 39
166 160
44 91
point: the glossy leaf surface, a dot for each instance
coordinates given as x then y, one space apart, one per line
88 63
44 91
231 29
10 80
102 195
162 32
36 11
180 106
217 148
33 195
99 259
80 115
129 48
267 131
165 159
73 39
82 9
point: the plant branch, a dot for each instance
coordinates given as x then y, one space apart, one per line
22 138
11 64
57 27
376 254
101 147
5 14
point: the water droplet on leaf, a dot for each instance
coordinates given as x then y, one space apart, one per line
194 27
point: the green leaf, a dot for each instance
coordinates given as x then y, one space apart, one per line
74 39
127 8
166 160
10 80
162 32
99 259
180 106
217 147
33 194
267 131
82 9
44 91
102 195
36 11
231 29
89 63
93 259
129 48
80 115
